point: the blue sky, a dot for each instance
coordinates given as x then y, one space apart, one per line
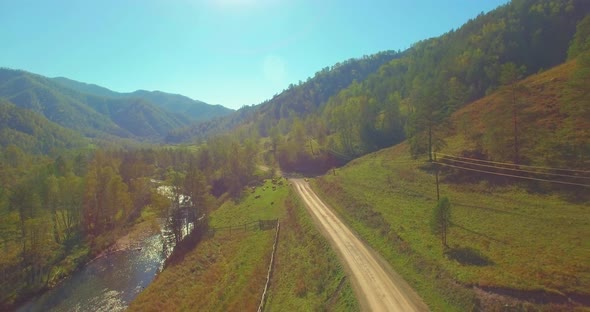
229 52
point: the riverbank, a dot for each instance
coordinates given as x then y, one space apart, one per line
146 226
129 238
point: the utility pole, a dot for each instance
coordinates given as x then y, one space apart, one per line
515 120
430 141
436 175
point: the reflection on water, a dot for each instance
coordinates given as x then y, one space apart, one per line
109 283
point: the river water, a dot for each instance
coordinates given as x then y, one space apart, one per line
109 283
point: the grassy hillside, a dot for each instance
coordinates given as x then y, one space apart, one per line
486 126
227 272
510 244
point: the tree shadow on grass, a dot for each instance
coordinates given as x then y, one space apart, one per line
468 256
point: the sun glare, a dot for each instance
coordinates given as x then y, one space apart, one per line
241 3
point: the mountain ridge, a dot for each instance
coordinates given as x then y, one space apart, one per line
33 133
176 103
91 115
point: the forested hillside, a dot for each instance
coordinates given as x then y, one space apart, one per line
55 103
97 112
33 133
439 75
416 90
298 100
174 103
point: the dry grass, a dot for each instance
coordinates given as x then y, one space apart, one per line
224 273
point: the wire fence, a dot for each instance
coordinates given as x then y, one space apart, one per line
541 174
259 225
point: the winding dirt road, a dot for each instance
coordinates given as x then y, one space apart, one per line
377 286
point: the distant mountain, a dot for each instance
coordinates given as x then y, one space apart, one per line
33 133
55 102
175 103
91 115
86 88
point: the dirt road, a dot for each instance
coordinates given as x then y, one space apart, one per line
377 287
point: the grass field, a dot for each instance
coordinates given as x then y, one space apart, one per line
502 237
227 272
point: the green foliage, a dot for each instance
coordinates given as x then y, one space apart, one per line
409 94
509 73
91 115
425 124
570 145
300 100
441 219
107 202
174 103
581 41
56 212
33 133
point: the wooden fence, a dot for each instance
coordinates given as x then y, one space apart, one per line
270 266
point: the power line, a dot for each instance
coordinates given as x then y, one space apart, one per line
403 162
509 164
331 151
514 176
518 170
